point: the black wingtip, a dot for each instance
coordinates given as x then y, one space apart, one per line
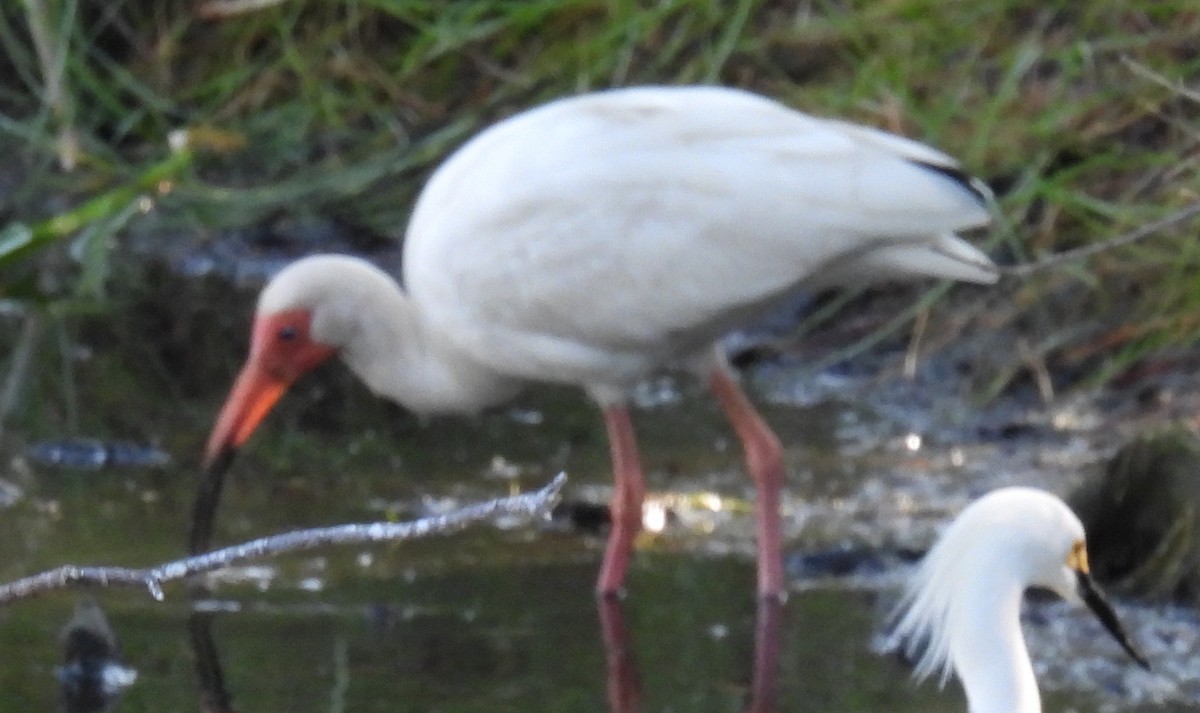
966 181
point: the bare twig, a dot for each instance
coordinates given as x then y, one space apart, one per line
912 355
220 9
527 505
1036 363
1183 215
1176 86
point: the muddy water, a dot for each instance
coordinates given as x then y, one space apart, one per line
503 619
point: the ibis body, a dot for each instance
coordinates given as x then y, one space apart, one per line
597 239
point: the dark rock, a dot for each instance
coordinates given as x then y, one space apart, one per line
1141 517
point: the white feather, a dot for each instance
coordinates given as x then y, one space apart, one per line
633 227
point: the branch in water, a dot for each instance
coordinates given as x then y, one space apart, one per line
526 505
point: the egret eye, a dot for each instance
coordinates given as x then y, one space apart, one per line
287 334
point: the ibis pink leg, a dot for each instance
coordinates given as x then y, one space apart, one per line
764 461
626 506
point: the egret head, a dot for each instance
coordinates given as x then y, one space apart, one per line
1001 544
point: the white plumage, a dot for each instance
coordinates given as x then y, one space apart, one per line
632 228
961 611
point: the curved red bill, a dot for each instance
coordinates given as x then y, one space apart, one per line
280 351
253 395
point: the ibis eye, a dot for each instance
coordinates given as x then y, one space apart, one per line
287 334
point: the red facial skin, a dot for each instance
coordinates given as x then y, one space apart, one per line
281 350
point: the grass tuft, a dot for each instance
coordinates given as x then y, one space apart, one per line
1082 116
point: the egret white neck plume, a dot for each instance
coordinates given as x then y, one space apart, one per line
961 611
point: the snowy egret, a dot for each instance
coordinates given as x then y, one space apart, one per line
961 611
598 238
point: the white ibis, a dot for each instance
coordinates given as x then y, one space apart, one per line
599 238
963 605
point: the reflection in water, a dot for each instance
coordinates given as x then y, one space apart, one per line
624 682
214 696
208 497
501 639
623 679
91 675
767 628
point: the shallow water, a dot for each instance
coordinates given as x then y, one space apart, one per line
503 618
